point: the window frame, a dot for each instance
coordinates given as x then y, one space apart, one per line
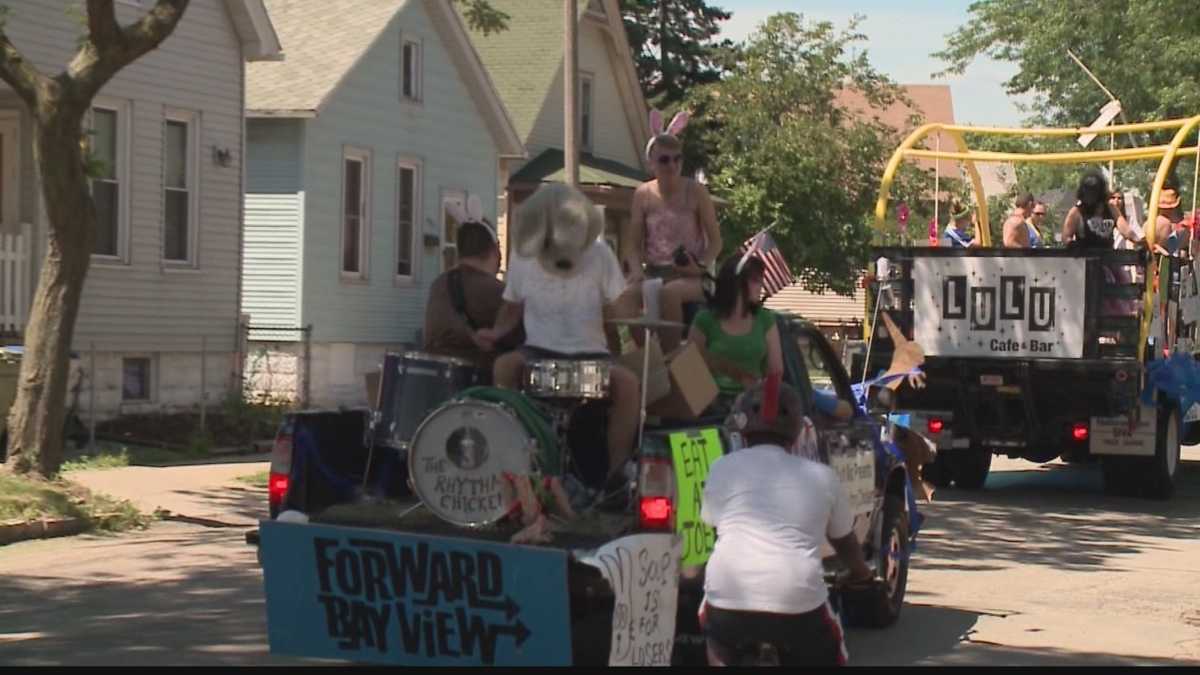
418 70
587 136
362 155
150 378
415 165
123 148
449 196
192 120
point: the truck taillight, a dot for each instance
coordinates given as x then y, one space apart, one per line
935 425
277 487
1079 431
656 494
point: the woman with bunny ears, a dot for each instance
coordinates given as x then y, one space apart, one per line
672 230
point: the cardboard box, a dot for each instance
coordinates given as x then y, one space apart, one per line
692 386
659 379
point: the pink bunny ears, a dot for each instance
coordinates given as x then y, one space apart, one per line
676 127
473 213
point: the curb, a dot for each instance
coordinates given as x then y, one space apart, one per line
43 529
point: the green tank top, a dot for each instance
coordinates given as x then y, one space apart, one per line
748 352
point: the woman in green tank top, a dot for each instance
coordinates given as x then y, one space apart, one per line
737 336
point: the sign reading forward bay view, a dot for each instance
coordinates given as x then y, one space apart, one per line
1000 307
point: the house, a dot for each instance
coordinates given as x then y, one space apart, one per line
158 324
526 63
380 117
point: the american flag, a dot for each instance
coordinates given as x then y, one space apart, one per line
776 275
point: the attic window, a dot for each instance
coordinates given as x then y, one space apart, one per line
410 70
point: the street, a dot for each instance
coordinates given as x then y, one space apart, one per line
1038 569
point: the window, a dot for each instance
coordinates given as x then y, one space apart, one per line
408 197
106 180
356 182
450 229
585 112
823 368
410 70
135 379
179 189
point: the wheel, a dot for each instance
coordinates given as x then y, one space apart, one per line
1191 433
970 468
881 608
1158 472
937 472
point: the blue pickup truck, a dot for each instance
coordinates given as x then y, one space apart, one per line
319 469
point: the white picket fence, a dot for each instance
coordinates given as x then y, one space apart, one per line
14 279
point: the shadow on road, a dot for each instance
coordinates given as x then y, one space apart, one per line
1055 515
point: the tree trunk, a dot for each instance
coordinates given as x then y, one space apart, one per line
35 423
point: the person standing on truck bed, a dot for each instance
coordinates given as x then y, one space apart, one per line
958 232
467 298
1168 232
1016 231
1091 222
1037 216
772 510
563 281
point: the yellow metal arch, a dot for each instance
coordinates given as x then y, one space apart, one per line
1167 154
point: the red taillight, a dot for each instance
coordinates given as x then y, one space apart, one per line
656 492
935 425
1079 431
277 487
655 512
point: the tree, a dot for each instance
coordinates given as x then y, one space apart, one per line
1144 52
58 106
674 45
788 152
483 17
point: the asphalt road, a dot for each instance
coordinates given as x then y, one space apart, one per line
1038 569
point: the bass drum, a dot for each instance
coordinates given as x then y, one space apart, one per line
459 455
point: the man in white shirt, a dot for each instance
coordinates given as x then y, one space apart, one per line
563 286
772 511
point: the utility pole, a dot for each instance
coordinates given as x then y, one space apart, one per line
571 92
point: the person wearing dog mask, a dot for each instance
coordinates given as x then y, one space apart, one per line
672 229
563 281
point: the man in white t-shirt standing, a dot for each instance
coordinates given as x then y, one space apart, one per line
772 511
563 282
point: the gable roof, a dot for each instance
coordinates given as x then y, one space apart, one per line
326 39
525 59
547 167
254 29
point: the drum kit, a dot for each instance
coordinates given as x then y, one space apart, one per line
460 448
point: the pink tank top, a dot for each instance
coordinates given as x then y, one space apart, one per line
668 227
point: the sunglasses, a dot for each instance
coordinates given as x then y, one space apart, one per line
669 159
1039 213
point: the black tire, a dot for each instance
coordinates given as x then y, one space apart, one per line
4 446
938 472
1191 433
1158 472
970 468
881 608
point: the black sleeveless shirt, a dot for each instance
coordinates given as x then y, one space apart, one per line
1095 231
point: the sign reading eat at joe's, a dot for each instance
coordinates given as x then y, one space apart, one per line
385 597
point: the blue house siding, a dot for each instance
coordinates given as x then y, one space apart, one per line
445 134
274 155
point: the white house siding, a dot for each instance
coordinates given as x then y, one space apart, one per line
613 139
138 307
446 133
274 217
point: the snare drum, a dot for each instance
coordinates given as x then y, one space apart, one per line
559 378
459 455
412 385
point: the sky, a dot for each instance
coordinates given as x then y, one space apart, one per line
900 38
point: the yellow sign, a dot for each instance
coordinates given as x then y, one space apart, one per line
694 452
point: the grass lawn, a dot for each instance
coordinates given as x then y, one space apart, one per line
108 455
258 480
24 499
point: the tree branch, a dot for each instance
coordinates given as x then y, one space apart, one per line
20 74
110 47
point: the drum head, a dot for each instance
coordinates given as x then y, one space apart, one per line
458 457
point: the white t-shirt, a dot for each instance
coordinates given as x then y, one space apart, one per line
772 511
566 314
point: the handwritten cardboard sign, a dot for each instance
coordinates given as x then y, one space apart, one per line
394 598
643 570
694 451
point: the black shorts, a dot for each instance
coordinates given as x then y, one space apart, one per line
532 353
809 639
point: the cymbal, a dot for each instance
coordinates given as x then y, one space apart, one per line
643 322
